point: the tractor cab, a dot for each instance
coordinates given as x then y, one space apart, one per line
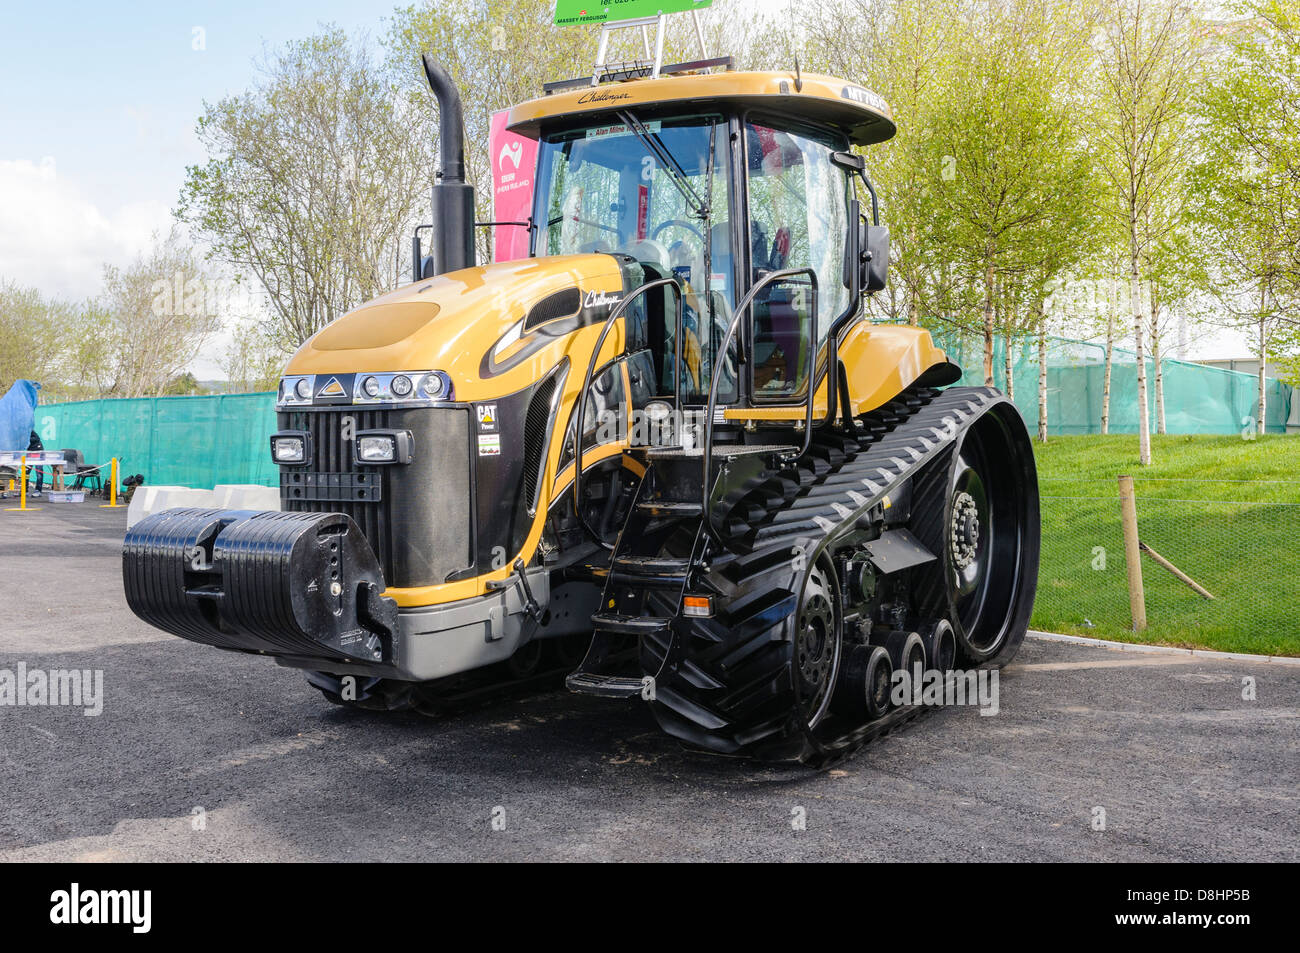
725 185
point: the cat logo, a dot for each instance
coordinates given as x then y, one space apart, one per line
332 389
487 417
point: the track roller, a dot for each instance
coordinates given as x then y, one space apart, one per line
864 684
906 650
940 645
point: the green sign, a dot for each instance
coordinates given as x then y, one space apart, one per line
570 12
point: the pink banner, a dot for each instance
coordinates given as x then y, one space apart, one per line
514 167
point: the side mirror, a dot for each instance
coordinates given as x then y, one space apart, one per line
421 264
875 257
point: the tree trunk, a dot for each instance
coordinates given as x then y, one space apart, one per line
1042 379
1110 363
988 325
1156 355
1003 324
1008 364
1135 292
1263 357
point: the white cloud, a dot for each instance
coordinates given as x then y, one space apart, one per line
57 239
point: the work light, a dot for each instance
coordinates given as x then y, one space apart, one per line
289 448
374 447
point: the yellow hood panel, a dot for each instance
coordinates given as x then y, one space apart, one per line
378 325
465 321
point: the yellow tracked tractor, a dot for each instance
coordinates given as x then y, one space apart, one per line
666 454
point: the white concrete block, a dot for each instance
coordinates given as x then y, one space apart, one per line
246 496
148 500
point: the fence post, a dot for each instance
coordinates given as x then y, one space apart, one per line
1132 553
112 503
22 506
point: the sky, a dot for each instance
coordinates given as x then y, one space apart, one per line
98 104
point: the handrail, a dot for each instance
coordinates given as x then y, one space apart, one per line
854 255
719 361
581 418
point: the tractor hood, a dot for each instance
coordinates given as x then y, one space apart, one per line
493 329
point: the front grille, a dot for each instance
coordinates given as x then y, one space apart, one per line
417 518
334 483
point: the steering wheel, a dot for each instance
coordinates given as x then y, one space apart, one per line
654 234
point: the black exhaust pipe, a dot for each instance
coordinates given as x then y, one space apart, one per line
453 200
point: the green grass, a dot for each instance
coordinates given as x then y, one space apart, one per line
1207 505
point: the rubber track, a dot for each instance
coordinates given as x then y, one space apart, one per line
731 693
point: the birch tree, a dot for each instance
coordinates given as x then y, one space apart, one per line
1014 139
1248 180
157 313
312 184
1147 61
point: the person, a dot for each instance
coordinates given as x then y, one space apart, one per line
35 445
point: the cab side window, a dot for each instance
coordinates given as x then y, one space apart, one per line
798 206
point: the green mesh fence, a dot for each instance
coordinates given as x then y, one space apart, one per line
1198 399
172 441
1233 538
203 441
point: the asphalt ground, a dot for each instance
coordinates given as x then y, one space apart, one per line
204 755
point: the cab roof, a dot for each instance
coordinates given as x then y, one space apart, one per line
861 114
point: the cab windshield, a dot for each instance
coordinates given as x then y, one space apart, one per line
656 190
638 190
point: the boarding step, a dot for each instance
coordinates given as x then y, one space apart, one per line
618 624
651 570
669 509
604 686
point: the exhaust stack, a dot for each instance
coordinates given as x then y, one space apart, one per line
453 200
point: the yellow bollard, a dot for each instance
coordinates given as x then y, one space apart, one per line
112 503
22 479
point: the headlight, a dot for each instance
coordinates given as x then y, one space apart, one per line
374 447
367 388
436 386
289 449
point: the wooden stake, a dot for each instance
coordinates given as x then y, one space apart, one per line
1132 553
1197 587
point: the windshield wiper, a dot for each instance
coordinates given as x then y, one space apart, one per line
669 162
